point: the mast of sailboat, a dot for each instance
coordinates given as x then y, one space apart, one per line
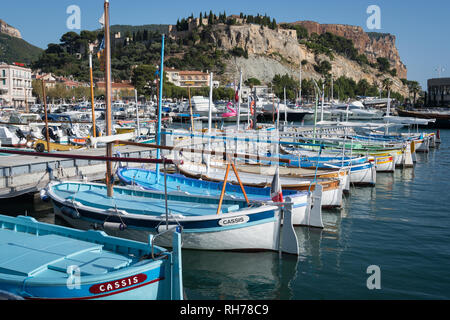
94 132
300 93
332 90
323 98
108 94
158 127
210 117
285 107
137 114
317 91
44 97
210 102
238 115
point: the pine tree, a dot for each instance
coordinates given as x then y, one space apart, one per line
210 18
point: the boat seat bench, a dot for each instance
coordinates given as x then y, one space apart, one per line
34 254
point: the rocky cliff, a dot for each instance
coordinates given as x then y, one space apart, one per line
373 45
7 29
272 52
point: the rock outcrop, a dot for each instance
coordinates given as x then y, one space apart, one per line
7 29
373 45
272 52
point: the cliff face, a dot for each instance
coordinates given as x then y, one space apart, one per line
373 45
274 52
7 29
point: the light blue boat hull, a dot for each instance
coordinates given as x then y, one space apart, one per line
42 261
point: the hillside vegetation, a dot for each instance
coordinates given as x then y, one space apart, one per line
17 50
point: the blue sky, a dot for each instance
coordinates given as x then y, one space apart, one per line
421 27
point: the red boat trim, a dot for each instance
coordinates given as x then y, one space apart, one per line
103 295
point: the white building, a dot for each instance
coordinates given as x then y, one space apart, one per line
15 85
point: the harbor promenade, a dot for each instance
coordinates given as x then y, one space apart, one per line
20 174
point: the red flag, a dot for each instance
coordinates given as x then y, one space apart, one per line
275 190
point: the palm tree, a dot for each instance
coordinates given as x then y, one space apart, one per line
387 84
415 88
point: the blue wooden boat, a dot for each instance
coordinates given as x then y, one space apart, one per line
303 213
45 261
136 214
362 169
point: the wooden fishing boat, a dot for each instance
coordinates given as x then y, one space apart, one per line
306 209
44 261
136 214
332 189
361 170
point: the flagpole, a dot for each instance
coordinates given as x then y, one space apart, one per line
108 93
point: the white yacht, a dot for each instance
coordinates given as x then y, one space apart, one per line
200 106
354 110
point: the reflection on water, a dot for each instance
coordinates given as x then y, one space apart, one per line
230 275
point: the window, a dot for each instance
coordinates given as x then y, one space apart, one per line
3 73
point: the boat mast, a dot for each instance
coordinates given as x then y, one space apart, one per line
161 82
210 117
108 94
94 132
285 107
300 93
323 98
44 97
137 114
238 116
210 103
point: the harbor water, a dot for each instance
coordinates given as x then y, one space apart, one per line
400 228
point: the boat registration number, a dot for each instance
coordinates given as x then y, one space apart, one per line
233 221
117 284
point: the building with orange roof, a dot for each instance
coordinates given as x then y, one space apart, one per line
186 78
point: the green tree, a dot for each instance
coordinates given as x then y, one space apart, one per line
143 78
280 82
252 82
324 67
383 64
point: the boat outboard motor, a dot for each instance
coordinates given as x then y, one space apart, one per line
69 132
20 135
51 134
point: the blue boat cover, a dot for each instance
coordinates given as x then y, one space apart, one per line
26 255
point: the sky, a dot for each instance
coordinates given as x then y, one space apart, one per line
421 27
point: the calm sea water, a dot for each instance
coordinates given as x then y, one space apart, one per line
402 226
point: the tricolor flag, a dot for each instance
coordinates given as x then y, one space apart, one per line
236 97
275 189
100 54
102 44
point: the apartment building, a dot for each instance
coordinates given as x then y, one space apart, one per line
187 78
15 85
